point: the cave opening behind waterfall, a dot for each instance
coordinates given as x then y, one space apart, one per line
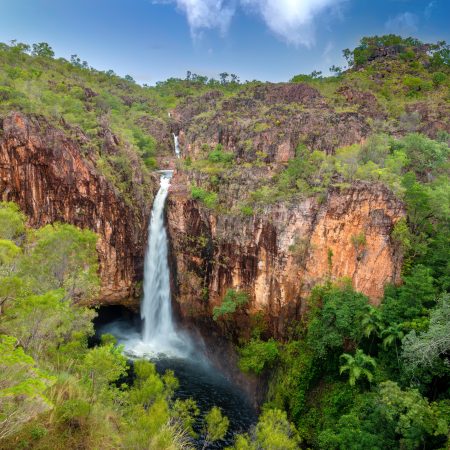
153 335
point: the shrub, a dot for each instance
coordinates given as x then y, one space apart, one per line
219 156
210 199
416 85
247 210
257 355
424 153
265 194
230 303
439 78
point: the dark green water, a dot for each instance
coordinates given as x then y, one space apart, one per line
197 377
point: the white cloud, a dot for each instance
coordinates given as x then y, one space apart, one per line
205 14
290 20
404 23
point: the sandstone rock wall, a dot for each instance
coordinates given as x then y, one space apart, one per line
279 255
45 173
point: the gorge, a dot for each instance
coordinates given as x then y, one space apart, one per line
276 253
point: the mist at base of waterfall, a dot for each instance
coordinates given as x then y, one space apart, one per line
159 334
174 345
198 378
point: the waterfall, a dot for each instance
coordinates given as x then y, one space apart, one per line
159 334
177 145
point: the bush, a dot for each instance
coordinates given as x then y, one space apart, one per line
210 199
219 156
247 210
12 221
416 85
230 303
439 78
338 321
424 154
257 355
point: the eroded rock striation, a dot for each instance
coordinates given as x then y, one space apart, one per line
45 172
279 255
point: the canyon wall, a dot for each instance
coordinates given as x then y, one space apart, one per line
45 172
277 256
284 248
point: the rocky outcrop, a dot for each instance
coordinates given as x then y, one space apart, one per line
269 121
278 255
46 173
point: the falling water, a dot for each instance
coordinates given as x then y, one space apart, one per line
177 145
159 334
160 341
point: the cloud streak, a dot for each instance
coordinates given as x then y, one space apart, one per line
404 23
292 21
207 14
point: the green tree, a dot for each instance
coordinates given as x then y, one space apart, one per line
149 386
11 287
103 365
336 319
231 301
185 412
411 299
22 387
216 426
272 432
416 420
424 154
357 366
8 253
371 322
43 49
63 256
425 349
257 356
12 221
391 336
42 323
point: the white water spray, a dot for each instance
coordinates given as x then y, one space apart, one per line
156 309
159 333
177 145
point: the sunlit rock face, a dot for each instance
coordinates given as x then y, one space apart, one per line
277 256
53 178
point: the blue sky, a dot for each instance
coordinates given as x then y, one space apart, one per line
256 39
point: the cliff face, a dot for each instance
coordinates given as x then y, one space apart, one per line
45 173
280 254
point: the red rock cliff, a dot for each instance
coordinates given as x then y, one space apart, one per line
279 255
45 173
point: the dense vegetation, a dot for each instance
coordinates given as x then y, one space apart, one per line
354 376
351 375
